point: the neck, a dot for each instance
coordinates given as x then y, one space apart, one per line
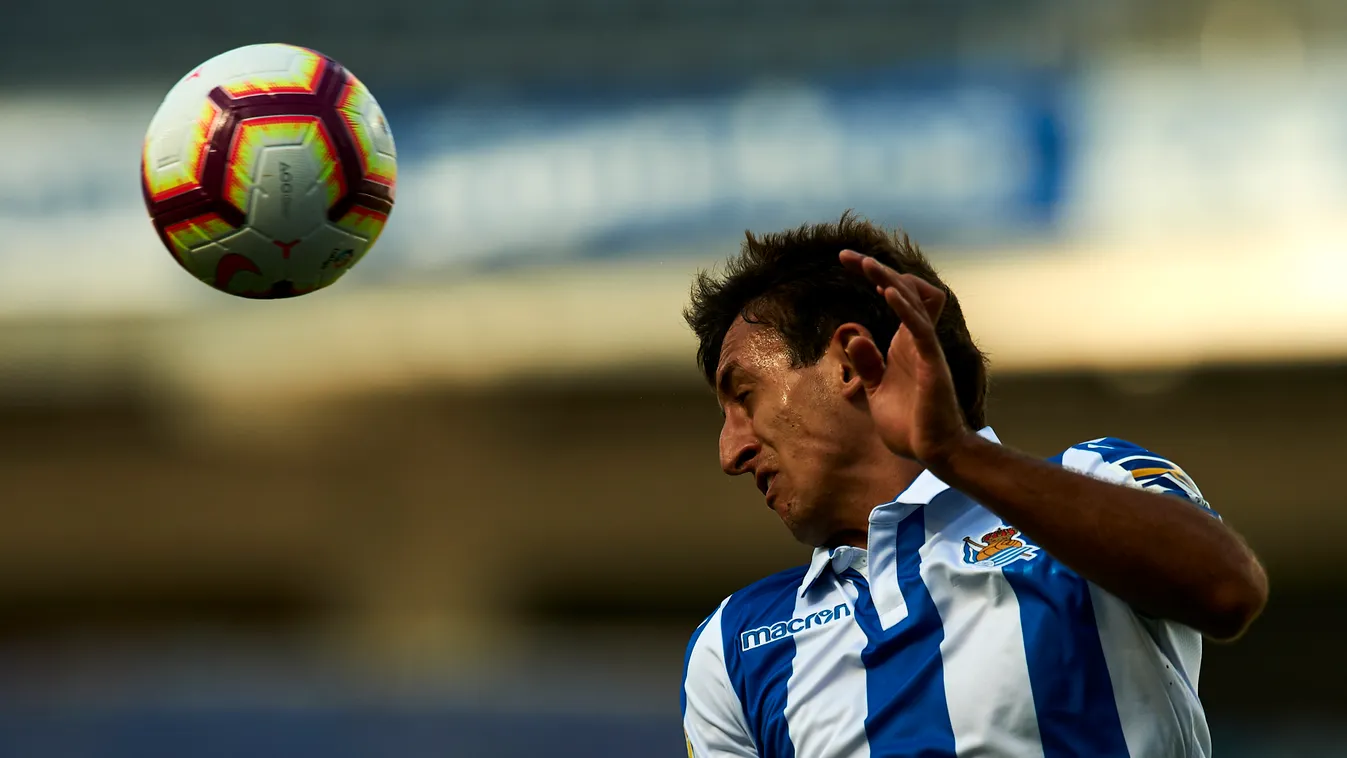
877 483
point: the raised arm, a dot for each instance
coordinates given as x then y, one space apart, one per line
1167 558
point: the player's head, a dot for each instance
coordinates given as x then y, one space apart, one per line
771 329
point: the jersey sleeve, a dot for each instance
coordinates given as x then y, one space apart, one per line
713 716
1125 463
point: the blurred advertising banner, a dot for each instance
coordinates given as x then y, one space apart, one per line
993 164
949 157
1163 149
520 177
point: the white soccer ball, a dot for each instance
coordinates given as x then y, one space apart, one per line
269 171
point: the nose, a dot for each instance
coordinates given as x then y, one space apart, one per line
738 444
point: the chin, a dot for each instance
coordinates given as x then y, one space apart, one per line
804 531
805 538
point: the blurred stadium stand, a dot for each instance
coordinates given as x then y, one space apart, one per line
513 42
466 502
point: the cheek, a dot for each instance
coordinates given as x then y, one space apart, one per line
800 421
814 426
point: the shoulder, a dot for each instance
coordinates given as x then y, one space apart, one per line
1128 463
770 588
765 598
708 659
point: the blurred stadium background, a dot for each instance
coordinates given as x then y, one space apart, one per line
466 502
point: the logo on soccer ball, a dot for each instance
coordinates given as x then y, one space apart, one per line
997 548
339 258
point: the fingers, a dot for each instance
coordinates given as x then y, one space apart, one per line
905 301
857 263
929 296
853 261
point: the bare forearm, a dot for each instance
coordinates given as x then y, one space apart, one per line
1166 560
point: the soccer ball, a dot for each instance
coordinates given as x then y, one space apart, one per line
269 171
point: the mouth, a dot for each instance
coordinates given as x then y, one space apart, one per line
764 481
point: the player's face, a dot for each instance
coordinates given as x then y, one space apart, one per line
789 428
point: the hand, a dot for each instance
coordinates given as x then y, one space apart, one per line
910 391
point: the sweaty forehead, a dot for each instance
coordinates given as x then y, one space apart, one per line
752 346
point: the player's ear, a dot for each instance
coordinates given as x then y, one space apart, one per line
847 372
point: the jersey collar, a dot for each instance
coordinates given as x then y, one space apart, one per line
922 491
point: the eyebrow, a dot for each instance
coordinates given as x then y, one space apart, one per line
726 380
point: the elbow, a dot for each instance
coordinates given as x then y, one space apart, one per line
1236 602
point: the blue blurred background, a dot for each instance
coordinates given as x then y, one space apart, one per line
466 502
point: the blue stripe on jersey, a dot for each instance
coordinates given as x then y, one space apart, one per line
1073 693
687 658
905 679
767 666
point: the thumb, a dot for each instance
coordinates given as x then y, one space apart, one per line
866 359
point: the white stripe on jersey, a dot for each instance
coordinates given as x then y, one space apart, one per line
1139 691
713 717
826 696
890 604
1091 463
991 715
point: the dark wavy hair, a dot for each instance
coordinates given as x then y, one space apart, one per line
793 282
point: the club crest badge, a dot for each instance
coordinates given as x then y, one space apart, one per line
997 549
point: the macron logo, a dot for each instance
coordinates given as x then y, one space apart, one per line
755 638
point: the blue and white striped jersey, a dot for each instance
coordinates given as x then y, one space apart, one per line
953 635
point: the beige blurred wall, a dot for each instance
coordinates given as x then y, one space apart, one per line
443 520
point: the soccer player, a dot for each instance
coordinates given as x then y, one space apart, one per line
964 599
